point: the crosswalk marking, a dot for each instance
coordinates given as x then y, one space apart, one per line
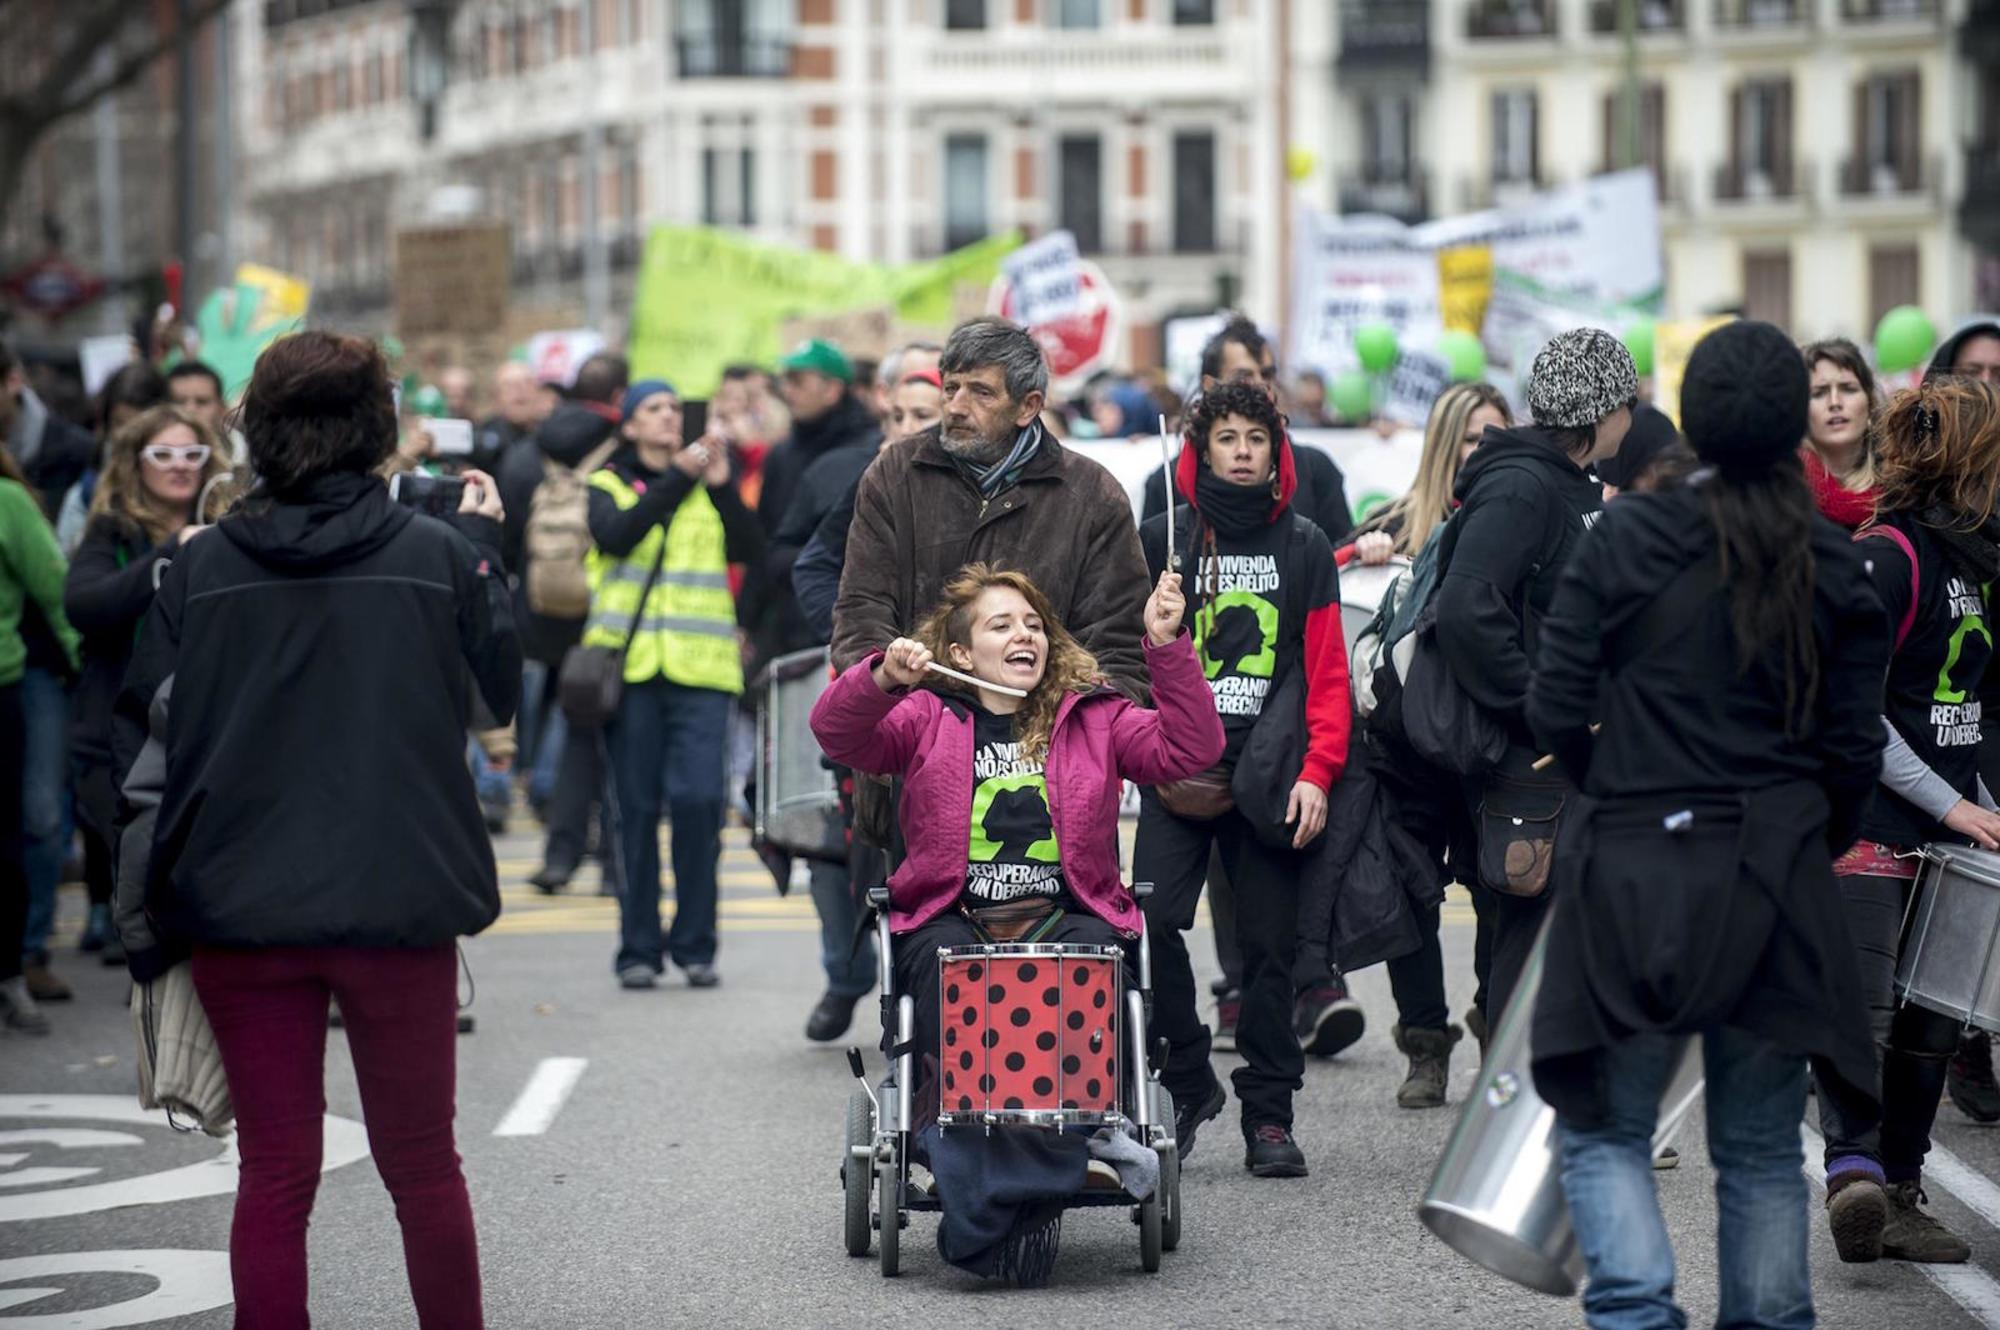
543 1097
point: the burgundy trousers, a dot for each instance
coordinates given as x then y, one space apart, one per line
269 1010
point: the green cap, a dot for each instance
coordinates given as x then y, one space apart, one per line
820 358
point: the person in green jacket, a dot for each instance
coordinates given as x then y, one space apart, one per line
31 567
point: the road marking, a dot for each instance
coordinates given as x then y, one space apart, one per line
186 1282
542 1098
1967 1285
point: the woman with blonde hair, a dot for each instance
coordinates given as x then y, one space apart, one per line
1841 432
157 467
1459 417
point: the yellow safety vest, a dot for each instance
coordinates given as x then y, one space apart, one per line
687 633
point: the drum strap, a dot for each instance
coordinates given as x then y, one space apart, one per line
1031 920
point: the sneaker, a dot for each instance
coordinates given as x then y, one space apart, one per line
831 1016
1969 1079
1857 1209
1912 1235
1270 1152
1228 1010
1327 1020
97 930
637 978
1429 1052
1666 1160
44 985
21 1012
1189 1116
551 878
702 975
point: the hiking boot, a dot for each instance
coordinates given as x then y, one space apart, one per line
1475 1022
1327 1020
1857 1208
1969 1079
1912 1235
1190 1115
1429 1052
1270 1152
1228 1010
638 978
21 1012
44 985
831 1016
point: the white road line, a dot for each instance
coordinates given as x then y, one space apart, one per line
1967 1285
542 1098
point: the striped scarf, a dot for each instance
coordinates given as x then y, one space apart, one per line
991 481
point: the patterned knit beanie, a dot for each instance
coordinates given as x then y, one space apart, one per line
1579 378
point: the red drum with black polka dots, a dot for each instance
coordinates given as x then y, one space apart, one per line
1029 1033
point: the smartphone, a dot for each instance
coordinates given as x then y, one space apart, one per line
438 496
694 420
450 437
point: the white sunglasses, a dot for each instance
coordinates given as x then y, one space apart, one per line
166 454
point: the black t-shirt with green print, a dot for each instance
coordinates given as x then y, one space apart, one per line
1012 852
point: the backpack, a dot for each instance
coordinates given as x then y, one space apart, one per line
1378 663
556 542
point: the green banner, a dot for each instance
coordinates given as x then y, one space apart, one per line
709 298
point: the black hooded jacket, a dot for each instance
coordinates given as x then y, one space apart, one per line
324 652
1523 505
1946 354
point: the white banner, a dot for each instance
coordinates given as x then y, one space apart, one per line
1350 271
1598 239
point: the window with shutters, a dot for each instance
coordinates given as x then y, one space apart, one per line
734 38
965 189
1760 142
1388 124
1194 192
1080 189
964 15
1193 13
1516 157
1767 286
1652 142
1892 279
1888 125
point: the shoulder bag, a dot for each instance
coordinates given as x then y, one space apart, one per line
592 680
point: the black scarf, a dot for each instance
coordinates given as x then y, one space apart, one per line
1975 553
1002 475
1234 510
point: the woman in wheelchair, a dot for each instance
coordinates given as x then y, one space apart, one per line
1009 804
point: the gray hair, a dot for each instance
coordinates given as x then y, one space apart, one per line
890 373
993 341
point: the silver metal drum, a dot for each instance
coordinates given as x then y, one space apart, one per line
1361 591
1497 1198
1948 963
798 796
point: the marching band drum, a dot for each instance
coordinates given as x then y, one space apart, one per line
1949 935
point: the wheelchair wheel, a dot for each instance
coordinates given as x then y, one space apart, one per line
854 1171
890 1208
1151 1236
1170 1184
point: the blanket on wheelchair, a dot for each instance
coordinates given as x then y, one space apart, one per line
1002 1194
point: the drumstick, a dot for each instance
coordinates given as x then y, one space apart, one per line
976 683
1547 760
1167 484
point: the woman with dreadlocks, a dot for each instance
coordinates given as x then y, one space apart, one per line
1727 637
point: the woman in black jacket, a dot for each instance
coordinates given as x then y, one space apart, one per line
319 836
1526 497
1726 635
156 467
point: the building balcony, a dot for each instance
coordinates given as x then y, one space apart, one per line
1653 16
1734 16
1385 35
1889 11
1779 184
1404 196
1910 179
1477 193
1979 213
1024 67
625 251
709 58
1510 19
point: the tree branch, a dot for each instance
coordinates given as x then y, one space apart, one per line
133 63
88 32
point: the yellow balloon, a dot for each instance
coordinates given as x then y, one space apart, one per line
1300 163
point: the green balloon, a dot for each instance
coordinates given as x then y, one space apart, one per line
1902 339
1466 355
1353 395
1375 343
1639 341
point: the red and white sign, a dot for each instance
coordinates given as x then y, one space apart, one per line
1082 343
557 356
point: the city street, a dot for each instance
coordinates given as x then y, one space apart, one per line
687 1177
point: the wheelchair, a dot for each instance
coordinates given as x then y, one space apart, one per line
875 1165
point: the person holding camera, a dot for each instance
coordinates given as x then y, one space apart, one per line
319 836
667 523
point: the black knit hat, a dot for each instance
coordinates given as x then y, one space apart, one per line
1651 434
1743 397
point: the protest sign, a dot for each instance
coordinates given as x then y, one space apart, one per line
101 357
237 322
1354 271
556 356
1414 383
1673 343
452 279
1045 278
1080 343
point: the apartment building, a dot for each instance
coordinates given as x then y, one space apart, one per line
1818 161
885 130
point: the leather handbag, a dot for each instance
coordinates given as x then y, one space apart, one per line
591 682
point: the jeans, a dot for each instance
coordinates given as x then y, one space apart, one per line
44 794
1755 1094
400 1006
1172 854
530 720
850 968
496 790
669 749
1913 1045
